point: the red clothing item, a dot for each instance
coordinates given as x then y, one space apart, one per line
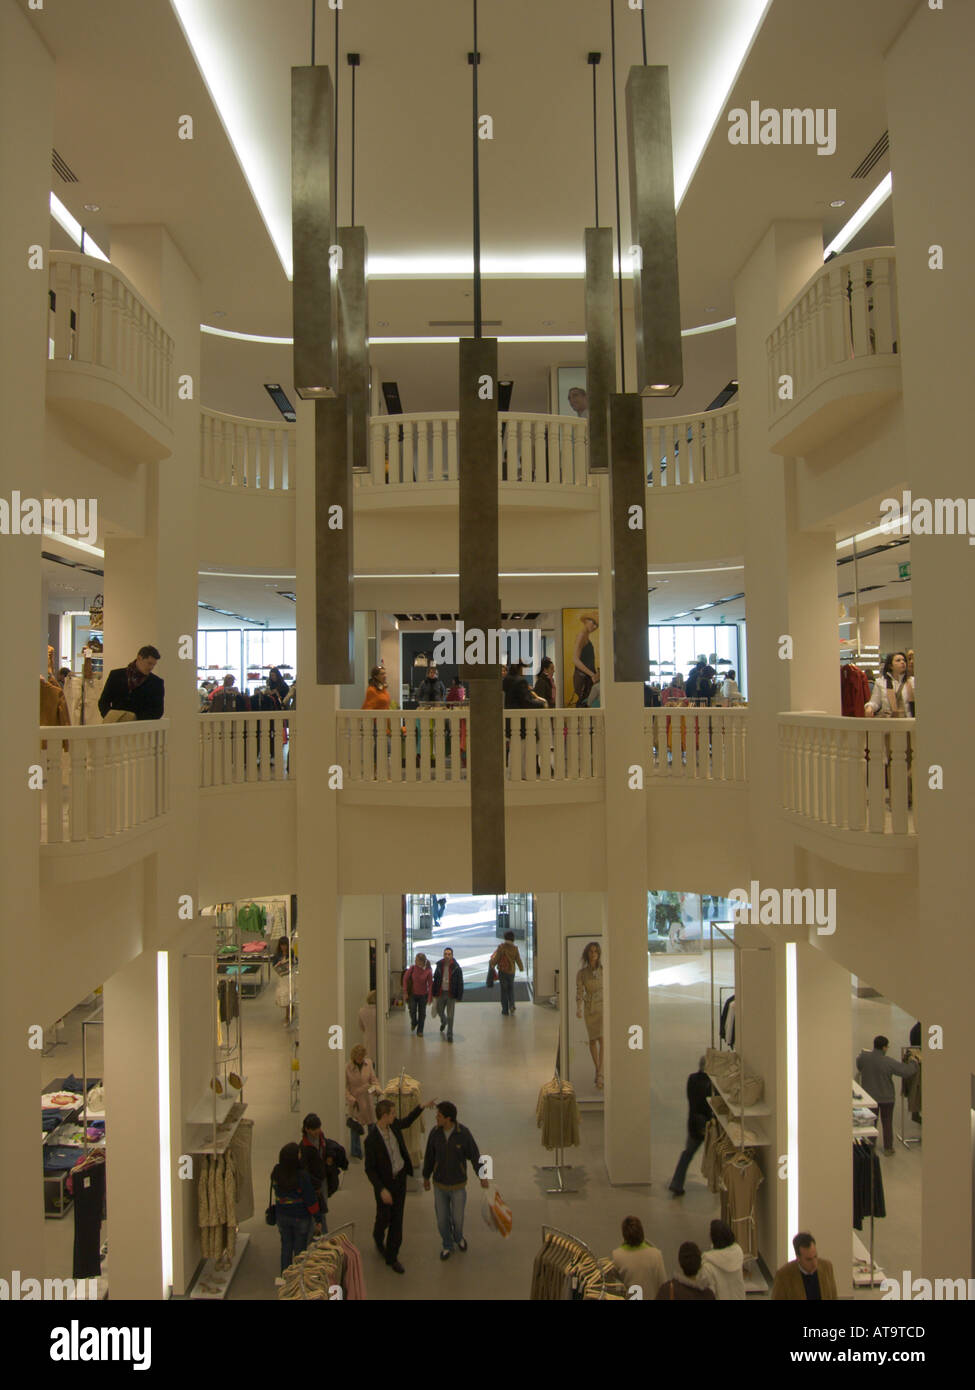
376 699
854 691
420 977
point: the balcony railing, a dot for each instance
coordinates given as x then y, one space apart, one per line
849 774
432 746
847 313
239 749
96 318
102 780
697 745
688 449
246 453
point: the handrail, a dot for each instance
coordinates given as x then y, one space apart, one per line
849 773
101 780
686 450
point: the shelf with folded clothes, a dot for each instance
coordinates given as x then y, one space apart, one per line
861 1099
751 1134
761 1109
226 1129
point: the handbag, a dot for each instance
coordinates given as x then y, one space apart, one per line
492 976
355 1126
271 1211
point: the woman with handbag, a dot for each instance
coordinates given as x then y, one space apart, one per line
295 1209
361 1083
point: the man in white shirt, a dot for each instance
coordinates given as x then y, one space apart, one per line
387 1167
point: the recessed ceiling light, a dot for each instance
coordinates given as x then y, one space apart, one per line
710 308
548 323
219 313
383 323
93 207
838 203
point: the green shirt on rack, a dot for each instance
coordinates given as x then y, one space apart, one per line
251 918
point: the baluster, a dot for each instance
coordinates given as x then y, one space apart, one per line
60 281
78 788
875 779
452 474
858 308
84 345
883 317
539 473
424 472
898 779
439 734
377 450
50 758
580 454
436 450
396 471
98 789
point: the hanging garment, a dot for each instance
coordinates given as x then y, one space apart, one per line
88 1189
228 994
728 1021
557 1115
240 1151
854 691
866 1168
741 1178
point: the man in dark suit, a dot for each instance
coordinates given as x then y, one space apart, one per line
388 1166
135 688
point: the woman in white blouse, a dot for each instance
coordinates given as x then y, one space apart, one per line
893 691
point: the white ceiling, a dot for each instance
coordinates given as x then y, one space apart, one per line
126 74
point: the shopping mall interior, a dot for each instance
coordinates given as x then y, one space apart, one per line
722 860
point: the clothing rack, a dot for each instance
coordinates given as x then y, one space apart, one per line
560 1162
876 1276
92 1021
567 1235
324 1239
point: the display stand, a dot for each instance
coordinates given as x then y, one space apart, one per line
213 1111
866 1134
908 1054
213 1283
560 1165
324 1240
584 1249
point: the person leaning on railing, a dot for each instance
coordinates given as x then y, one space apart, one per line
133 689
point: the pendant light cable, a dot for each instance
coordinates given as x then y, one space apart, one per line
616 158
353 64
594 59
475 60
314 7
335 170
643 31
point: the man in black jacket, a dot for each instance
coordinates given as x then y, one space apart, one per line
698 1113
448 987
449 1150
135 688
387 1168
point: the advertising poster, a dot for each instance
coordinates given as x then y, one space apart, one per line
573 398
583 1060
580 655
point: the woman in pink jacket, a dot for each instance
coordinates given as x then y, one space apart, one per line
418 989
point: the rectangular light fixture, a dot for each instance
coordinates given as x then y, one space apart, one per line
280 399
165 1135
312 223
656 291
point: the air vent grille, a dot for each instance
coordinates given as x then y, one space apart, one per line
64 172
872 157
506 618
462 323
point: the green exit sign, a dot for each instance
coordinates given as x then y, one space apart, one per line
904 570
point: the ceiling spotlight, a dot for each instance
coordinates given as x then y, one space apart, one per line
659 386
838 203
280 399
93 207
383 323
219 314
710 308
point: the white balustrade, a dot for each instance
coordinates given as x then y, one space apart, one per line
239 749
101 780
543 449
849 774
247 453
846 313
97 318
431 746
697 744
687 449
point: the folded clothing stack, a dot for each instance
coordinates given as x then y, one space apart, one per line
725 1069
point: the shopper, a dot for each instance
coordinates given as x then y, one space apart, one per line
692 1282
807 1277
545 682
518 694
893 690
227 699
377 692
296 1207
418 988
877 1071
674 693
507 960
698 1113
730 693
361 1083
366 1019
134 688
456 695
431 690
637 1261
315 1160
700 684
277 685
449 1150
725 1262
387 1168
448 988
282 963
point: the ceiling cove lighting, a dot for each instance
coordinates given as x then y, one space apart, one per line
441 342
165 1134
893 528
74 229
70 540
859 219
202 24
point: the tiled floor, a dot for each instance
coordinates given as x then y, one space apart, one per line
493 1073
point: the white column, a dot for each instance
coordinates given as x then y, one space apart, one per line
26 137
625 992
931 110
